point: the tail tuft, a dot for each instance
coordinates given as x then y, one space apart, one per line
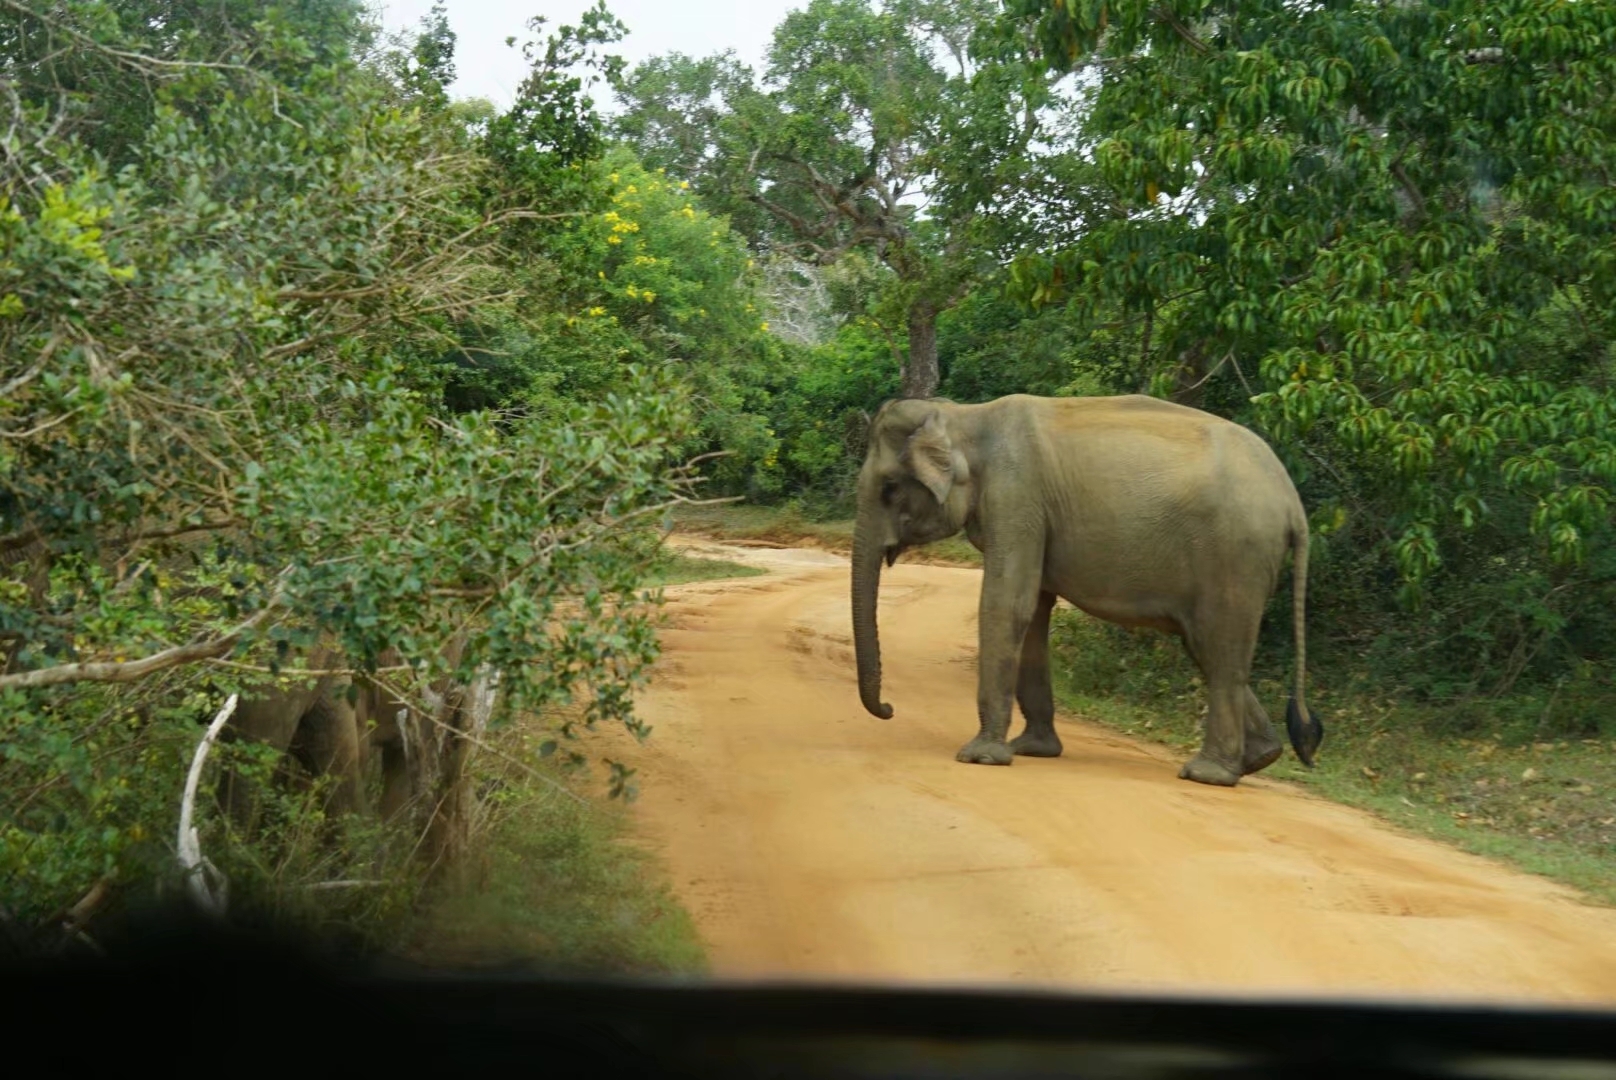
1306 732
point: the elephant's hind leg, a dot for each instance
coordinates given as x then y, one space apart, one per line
1223 643
1033 690
1263 746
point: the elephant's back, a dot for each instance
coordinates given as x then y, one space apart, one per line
1172 427
1132 425
1181 467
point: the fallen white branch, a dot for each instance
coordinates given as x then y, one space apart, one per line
197 869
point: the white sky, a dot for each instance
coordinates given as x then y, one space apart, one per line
486 67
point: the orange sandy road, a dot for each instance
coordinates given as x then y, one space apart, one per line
810 840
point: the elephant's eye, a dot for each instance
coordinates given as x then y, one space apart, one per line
889 489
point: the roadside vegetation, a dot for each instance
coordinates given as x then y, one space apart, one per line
555 883
676 568
299 352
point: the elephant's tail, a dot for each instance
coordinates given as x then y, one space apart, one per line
1305 730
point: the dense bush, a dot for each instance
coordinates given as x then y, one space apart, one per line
229 248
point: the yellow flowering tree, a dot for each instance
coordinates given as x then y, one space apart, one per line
654 278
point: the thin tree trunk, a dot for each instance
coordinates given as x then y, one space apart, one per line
920 373
1190 388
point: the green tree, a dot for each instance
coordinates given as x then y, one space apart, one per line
652 278
216 443
869 130
1384 233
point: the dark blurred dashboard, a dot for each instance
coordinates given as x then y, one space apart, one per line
209 1002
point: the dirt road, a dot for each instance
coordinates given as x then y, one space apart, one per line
811 840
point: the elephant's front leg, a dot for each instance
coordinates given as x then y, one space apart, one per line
1010 593
1034 691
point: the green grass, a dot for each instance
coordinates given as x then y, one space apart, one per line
788 525
558 886
1544 804
676 569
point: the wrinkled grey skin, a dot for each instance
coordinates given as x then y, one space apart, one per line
333 726
313 721
404 771
1137 511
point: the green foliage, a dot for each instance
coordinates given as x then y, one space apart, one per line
555 888
552 129
1371 234
865 112
224 440
822 411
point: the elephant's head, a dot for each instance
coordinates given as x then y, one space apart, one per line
914 488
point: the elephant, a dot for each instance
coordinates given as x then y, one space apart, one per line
336 724
392 729
1138 511
316 723
426 756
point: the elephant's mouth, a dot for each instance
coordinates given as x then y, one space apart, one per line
892 553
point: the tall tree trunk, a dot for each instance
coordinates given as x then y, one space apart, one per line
920 374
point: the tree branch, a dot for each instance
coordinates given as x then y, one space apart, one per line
1413 193
1165 14
193 863
134 670
42 427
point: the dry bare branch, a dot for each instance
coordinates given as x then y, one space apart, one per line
212 899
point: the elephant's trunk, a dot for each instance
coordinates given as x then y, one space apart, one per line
866 580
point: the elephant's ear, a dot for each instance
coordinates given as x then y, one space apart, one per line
931 457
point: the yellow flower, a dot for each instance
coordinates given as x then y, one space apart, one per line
684 184
688 212
632 292
614 239
763 327
596 311
631 190
647 295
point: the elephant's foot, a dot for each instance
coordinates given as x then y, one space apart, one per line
1036 744
980 751
1203 770
1261 752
